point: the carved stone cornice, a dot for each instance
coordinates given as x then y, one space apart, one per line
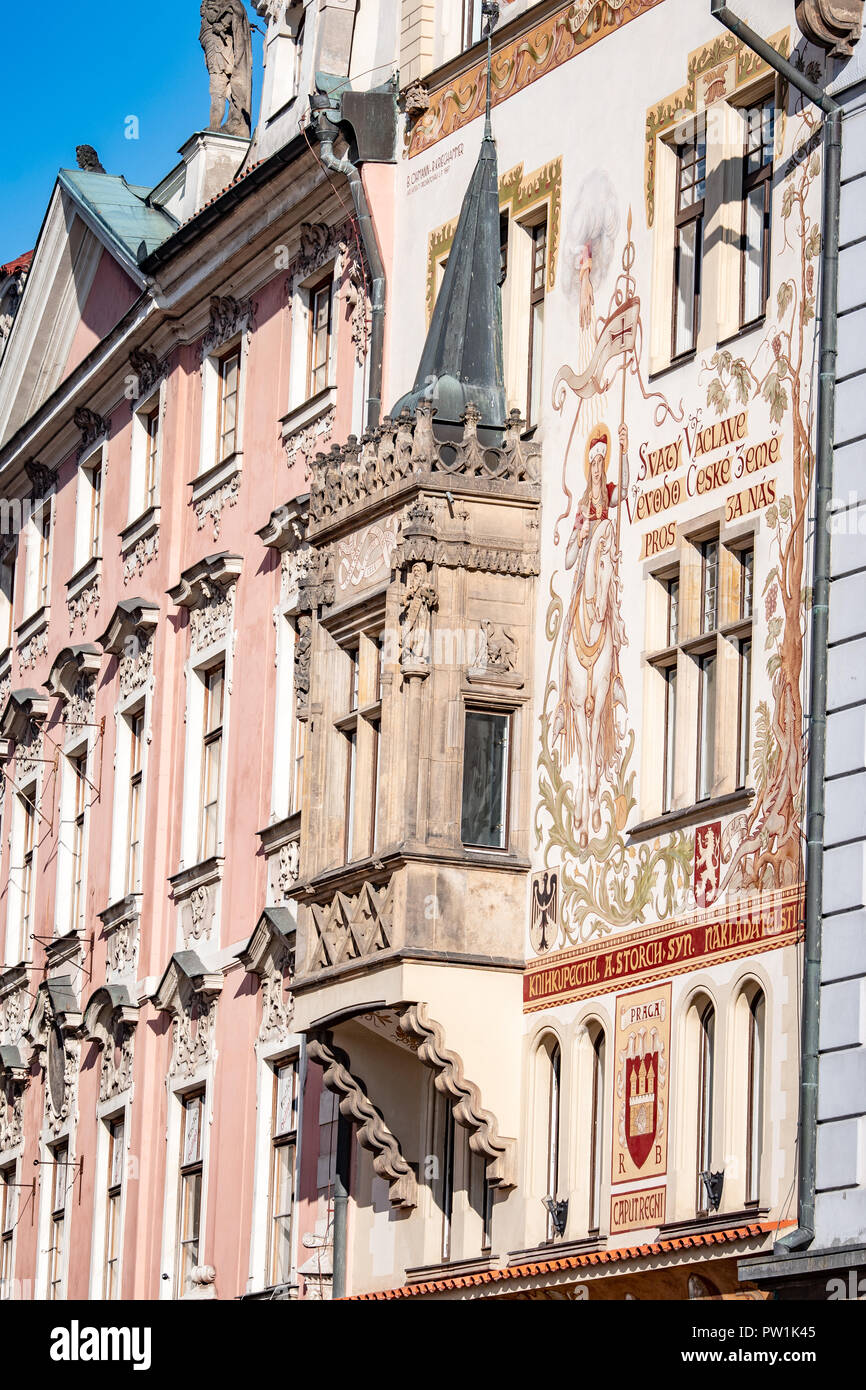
465 1096
401 453
121 923
147 370
372 1131
43 481
91 426
832 24
228 317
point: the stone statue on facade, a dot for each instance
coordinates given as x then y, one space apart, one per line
227 42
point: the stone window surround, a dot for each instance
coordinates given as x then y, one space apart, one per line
217 481
212 581
300 321
285 534
32 607
25 711
94 456
721 266
139 508
78 742
119 1107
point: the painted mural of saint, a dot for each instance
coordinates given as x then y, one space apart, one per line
590 685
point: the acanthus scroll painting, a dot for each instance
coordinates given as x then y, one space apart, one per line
594 716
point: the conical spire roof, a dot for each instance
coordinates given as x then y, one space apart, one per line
462 357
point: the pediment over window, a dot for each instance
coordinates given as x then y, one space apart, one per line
186 977
23 708
286 528
197 584
72 665
272 941
56 1007
131 617
12 1065
107 1009
188 992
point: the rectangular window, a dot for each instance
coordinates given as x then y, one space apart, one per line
747 583
94 502
189 1208
537 283
28 813
61 1177
227 410
133 849
78 808
485 779
351 773
111 1280
43 556
757 210
472 19
755 1099
282 1187
706 725
689 240
596 1132
300 737
709 585
360 729
211 770
744 719
7 1227
151 457
670 737
319 346
706 1063
672 587
448 1149
7 596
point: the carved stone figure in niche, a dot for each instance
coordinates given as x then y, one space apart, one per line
499 648
419 601
590 686
227 43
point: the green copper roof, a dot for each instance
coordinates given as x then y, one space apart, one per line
122 211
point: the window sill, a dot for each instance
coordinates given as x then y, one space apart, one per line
217 476
123 910
143 526
309 411
422 1273
743 330
185 881
671 366
713 1221
31 627
84 577
699 811
64 947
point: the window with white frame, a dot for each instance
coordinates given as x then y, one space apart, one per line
706 1036
191 1172
229 376
755 1067
75 797
8 561
61 1173
135 726
113 1202
8 1208
700 663
535 348
88 520
596 1126
223 384
146 457
213 682
22 875
319 319
757 198
37 580
283 1156
689 222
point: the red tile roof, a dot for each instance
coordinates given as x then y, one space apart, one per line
20 263
574 1262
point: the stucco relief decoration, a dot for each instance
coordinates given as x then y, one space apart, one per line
109 1021
192 1036
82 604
302 442
289 867
11 1112
78 710
62 1055
146 371
519 63
586 778
200 913
122 945
303 651
276 1001
33 650
210 621
211 507
355 281
135 561
228 317
91 425
363 555
832 24
136 663
29 751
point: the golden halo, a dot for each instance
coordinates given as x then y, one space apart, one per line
596 433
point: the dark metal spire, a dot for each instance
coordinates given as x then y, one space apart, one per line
462 357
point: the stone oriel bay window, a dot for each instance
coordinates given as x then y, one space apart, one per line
225 351
207 591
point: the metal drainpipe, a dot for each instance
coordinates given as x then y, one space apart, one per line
326 132
804 1234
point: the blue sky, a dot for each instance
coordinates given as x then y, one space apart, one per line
73 75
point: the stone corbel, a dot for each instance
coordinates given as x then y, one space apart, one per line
24 709
372 1132
91 426
228 317
72 679
129 637
484 1139
56 1006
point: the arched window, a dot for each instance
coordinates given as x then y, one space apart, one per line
553 1121
596 1138
755 1096
706 1068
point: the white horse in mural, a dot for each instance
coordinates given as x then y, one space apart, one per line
592 687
